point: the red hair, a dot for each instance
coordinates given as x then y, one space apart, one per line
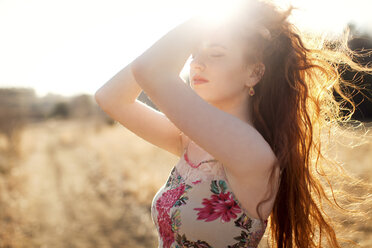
294 108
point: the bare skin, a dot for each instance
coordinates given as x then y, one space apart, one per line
229 82
213 115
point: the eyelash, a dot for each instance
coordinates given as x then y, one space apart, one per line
218 55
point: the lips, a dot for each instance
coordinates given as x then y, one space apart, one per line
199 80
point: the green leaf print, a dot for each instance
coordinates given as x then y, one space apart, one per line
242 241
222 185
183 198
184 242
174 179
176 220
181 239
244 222
242 238
180 201
214 187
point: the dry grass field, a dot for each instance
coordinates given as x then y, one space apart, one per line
78 185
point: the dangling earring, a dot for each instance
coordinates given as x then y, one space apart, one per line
251 91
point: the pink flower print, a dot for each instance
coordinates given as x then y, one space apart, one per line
168 198
163 205
165 229
197 181
219 205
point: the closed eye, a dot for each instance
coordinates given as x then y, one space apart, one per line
212 55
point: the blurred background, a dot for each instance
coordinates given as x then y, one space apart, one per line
70 176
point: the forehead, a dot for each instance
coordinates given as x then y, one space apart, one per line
221 37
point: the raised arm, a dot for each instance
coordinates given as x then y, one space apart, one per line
118 98
122 89
235 143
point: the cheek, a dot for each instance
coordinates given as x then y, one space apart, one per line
230 77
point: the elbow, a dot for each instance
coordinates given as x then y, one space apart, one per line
137 71
99 98
144 74
137 66
105 100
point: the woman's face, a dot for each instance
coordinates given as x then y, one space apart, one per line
219 58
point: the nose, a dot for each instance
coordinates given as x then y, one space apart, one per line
196 63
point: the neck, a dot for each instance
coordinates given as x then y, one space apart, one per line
238 106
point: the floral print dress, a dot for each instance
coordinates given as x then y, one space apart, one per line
197 208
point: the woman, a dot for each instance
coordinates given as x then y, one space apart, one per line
244 129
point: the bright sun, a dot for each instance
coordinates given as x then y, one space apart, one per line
214 12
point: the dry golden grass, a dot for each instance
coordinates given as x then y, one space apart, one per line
78 186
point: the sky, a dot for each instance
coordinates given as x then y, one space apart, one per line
72 47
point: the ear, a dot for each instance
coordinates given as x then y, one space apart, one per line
256 73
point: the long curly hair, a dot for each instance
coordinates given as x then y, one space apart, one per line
295 110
